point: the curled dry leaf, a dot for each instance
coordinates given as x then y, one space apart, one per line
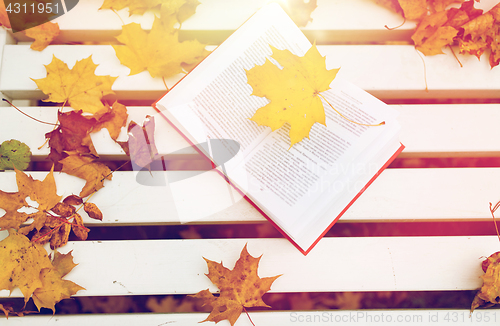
141 142
73 200
78 228
489 293
239 288
93 211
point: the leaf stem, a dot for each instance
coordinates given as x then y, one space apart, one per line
15 107
492 210
343 116
248 315
68 222
393 28
118 168
165 83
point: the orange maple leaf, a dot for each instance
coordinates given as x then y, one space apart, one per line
159 51
79 86
185 8
43 34
293 91
489 293
239 288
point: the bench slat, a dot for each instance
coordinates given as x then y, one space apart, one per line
455 194
421 317
354 264
215 20
386 71
427 131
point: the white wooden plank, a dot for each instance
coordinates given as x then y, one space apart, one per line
337 264
387 71
455 194
421 317
468 130
355 21
168 140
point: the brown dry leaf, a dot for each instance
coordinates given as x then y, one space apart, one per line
159 51
43 34
141 143
73 200
293 91
60 235
93 211
113 119
86 168
72 134
79 86
78 228
489 293
240 287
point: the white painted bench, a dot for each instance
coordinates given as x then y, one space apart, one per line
337 264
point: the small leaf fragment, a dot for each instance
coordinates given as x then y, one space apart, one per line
73 200
93 211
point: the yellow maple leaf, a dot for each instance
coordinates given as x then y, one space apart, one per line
293 91
186 8
54 288
43 35
240 287
159 51
26 265
79 87
86 168
43 192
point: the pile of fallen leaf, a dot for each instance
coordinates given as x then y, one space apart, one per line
440 25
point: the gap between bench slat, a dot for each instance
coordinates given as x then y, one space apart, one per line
338 264
386 71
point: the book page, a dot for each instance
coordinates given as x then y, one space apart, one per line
299 176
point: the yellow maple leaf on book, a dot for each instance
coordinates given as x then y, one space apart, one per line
293 91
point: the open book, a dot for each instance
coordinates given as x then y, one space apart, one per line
302 190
